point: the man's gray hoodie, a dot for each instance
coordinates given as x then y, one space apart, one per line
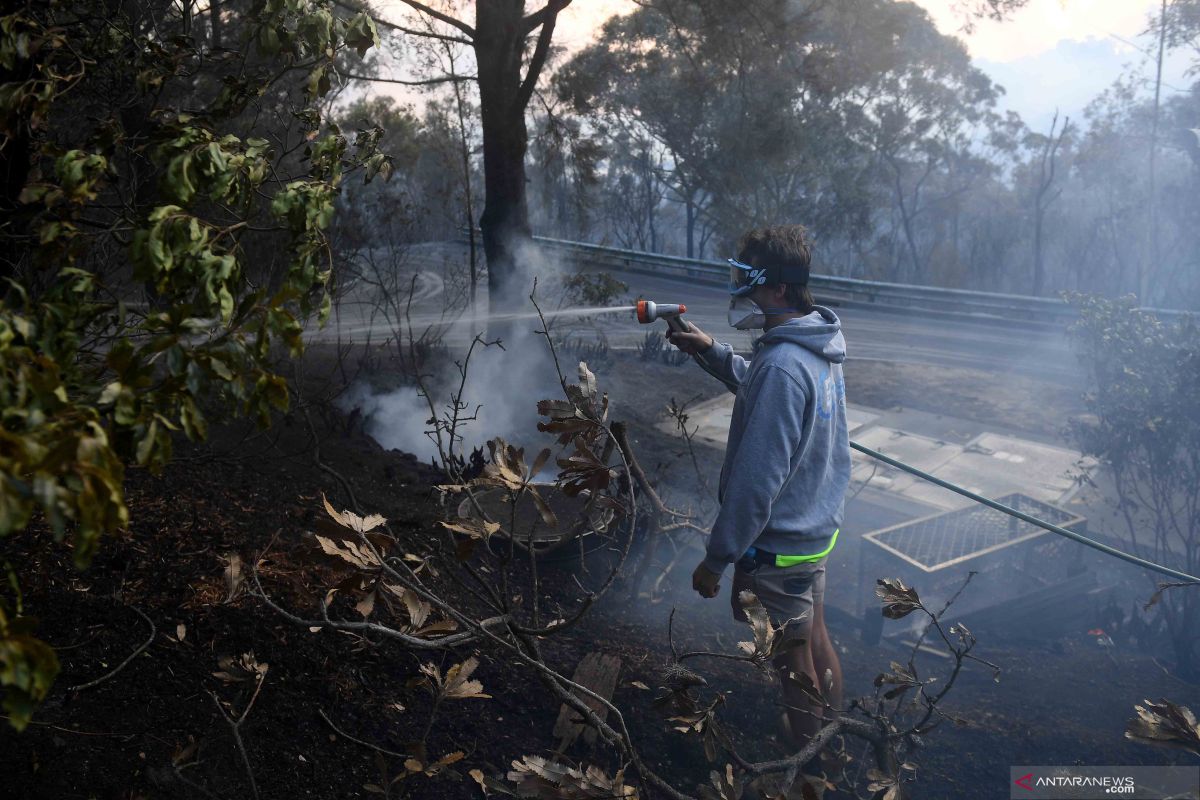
787 464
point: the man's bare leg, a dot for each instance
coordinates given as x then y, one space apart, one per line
804 716
825 657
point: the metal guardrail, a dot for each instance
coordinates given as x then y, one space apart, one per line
933 298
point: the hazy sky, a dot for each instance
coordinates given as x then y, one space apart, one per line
1051 54
1038 27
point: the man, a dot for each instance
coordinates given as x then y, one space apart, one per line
787 464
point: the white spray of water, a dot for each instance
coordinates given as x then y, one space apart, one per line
420 322
502 386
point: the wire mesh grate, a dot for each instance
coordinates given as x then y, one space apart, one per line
954 536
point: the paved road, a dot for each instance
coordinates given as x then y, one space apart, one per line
907 337
898 336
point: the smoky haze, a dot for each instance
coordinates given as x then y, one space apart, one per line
674 133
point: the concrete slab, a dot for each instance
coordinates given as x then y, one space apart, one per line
988 463
991 464
711 419
922 452
857 419
1041 471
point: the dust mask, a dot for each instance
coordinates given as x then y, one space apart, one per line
744 314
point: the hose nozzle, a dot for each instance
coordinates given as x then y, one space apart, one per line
648 311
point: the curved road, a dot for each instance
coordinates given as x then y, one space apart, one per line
895 335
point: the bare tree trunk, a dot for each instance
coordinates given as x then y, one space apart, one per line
498 42
1145 271
1041 203
214 16
906 222
466 166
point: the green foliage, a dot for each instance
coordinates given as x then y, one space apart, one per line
1144 425
165 203
28 666
779 111
1145 379
594 289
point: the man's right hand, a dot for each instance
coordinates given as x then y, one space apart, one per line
693 342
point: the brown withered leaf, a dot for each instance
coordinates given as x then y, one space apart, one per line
767 638
901 677
760 622
458 685
583 470
475 530
587 382
1165 724
415 765
441 626
806 685
236 669
348 551
898 600
348 519
469 526
703 721
565 419
583 413
416 608
722 786
506 468
477 776
887 787
543 508
184 754
539 462
534 776
233 577
366 603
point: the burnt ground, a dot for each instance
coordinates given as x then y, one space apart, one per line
1059 701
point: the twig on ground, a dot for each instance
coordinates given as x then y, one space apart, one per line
345 735
123 664
179 768
235 727
124 736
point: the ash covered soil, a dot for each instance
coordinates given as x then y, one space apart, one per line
253 494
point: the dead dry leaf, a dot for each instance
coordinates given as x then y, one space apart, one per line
233 577
236 669
348 519
458 685
898 600
349 552
1166 724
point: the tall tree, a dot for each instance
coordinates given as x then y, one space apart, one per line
781 110
507 72
1045 196
155 248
